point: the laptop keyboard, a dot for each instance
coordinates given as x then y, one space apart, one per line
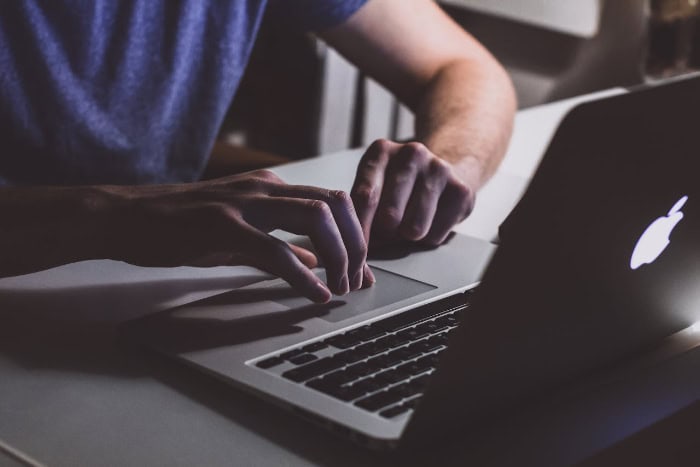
382 367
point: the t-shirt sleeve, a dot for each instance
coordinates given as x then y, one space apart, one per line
313 15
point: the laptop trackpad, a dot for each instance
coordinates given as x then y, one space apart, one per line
390 288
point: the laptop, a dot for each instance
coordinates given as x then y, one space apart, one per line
597 263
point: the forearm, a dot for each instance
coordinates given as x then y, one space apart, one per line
43 227
465 116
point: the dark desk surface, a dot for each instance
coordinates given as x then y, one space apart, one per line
672 441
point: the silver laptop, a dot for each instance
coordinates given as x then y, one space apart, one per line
598 261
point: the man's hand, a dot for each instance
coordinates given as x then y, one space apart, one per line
213 223
404 191
226 222
463 103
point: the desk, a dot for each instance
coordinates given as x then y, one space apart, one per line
70 395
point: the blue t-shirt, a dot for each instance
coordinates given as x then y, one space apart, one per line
127 91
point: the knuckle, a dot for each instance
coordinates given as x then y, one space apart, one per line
247 184
266 174
391 215
215 211
363 249
366 195
379 146
465 197
417 150
250 184
412 156
433 184
339 197
439 168
462 191
416 147
319 210
414 228
409 164
467 208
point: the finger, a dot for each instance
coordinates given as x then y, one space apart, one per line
305 256
345 218
314 219
276 257
399 180
422 206
369 279
456 203
369 180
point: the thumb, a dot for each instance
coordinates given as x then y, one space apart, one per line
305 256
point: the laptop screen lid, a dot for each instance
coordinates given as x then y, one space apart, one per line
598 261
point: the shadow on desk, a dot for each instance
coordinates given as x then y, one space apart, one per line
76 328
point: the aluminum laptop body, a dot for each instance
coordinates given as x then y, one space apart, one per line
561 296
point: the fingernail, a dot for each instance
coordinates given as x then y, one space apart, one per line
357 280
369 276
323 294
344 285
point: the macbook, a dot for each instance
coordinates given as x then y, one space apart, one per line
599 261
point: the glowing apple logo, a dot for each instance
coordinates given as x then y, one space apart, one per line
654 240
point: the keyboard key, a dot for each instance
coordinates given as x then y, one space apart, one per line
380 362
354 337
421 381
400 355
441 338
361 369
314 347
431 327
369 349
410 352
291 354
449 320
340 377
415 315
412 368
424 346
412 334
426 363
347 393
379 400
303 358
408 389
412 403
269 362
434 343
390 376
389 341
349 356
321 384
419 347
313 369
370 385
344 393
434 358
339 342
392 412
365 333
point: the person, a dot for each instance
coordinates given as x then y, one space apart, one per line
108 110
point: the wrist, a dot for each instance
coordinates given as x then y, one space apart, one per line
105 210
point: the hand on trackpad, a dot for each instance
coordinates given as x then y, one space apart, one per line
390 288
